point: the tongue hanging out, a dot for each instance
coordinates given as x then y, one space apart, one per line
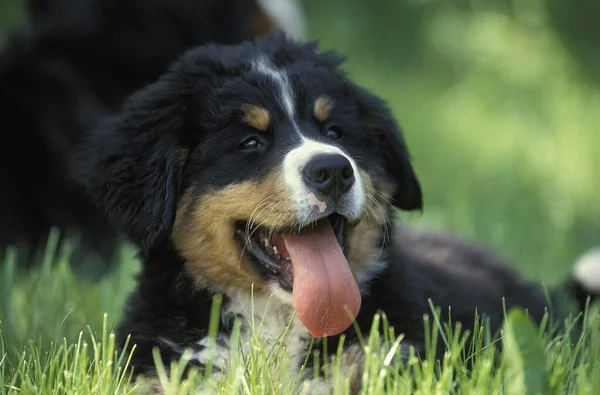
325 295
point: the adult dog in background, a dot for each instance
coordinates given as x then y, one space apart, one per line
77 63
261 167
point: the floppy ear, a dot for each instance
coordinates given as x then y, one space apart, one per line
377 120
131 164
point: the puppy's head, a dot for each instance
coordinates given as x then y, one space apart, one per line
259 164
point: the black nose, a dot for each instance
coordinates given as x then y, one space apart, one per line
329 174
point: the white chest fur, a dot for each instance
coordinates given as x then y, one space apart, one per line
270 322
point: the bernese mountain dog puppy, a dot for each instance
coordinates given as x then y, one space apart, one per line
262 173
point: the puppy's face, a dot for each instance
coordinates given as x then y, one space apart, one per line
269 169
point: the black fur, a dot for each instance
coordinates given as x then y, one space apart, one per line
76 64
375 117
181 314
129 166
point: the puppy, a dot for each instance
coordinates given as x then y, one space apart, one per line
262 173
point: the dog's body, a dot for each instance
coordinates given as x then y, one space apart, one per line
262 173
418 266
77 63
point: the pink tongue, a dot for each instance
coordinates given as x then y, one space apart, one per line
325 295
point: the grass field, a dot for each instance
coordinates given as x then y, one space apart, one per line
503 127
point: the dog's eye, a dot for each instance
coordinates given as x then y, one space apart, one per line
250 144
333 132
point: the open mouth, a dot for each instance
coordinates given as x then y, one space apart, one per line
312 265
270 252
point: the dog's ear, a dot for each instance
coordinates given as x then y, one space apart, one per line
377 119
131 164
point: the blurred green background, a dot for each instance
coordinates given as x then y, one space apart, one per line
500 105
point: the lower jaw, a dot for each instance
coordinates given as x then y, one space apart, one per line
285 284
268 279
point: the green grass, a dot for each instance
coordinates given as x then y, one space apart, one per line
70 356
503 127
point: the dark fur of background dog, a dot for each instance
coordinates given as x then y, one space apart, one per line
76 63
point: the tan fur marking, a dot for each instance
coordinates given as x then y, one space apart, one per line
204 230
363 249
257 117
323 107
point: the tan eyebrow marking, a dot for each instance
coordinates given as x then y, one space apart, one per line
257 117
323 107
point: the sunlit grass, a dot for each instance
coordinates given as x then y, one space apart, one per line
85 361
52 302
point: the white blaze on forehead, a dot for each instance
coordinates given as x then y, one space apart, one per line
296 159
305 199
286 95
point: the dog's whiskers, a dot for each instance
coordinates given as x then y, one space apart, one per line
265 202
276 226
379 194
250 224
385 225
251 230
